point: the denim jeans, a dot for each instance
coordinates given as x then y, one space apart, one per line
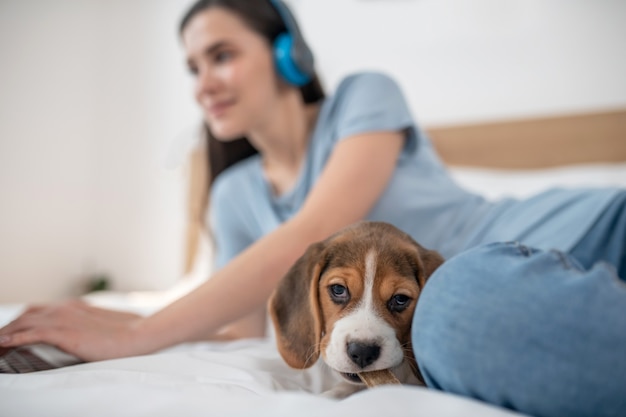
540 332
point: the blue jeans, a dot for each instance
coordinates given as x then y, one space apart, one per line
540 332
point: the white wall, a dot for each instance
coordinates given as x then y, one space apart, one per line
480 59
92 92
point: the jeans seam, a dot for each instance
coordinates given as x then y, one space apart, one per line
566 261
522 249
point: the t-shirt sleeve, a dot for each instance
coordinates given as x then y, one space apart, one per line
227 227
371 102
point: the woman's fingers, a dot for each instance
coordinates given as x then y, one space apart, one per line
28 337
33 326
56 314
20 323
32 314
91 333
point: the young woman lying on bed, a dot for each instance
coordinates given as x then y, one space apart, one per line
538 327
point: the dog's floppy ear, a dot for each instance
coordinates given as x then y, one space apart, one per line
430 260
295 311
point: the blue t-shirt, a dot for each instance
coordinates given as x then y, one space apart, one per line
421 197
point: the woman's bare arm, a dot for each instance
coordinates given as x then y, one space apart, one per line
353 180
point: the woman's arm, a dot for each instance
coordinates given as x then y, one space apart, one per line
354 178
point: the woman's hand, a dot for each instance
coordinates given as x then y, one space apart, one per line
91 333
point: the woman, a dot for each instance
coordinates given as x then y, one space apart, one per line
322 164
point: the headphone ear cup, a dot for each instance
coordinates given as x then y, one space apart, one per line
285 65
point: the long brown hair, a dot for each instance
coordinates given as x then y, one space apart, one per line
263 18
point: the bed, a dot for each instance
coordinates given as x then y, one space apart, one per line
248 378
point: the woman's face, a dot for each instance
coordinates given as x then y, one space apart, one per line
235 81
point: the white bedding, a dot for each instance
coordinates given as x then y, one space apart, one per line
248 378
245 378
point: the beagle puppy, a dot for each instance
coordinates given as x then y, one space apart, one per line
350 299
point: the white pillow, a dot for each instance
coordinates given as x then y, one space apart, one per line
496 183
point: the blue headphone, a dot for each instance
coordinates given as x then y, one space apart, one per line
292 56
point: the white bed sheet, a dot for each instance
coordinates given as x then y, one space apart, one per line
248 378
245 378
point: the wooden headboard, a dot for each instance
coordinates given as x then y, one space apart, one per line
514 144
535 142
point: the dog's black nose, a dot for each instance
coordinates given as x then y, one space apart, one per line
363 354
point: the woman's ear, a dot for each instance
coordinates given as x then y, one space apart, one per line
294 308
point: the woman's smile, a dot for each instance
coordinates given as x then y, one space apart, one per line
219 109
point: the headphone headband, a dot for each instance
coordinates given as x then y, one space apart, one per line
294 59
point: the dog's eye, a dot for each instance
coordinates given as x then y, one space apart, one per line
338 293
398 303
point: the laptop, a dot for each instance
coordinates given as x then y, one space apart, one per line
32 358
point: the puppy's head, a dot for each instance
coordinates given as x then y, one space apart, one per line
350 299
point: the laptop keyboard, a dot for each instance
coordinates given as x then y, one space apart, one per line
19 361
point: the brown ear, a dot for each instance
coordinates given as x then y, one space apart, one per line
294 308
430 260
